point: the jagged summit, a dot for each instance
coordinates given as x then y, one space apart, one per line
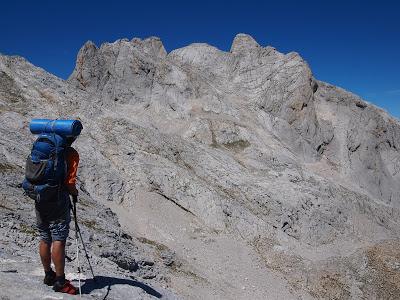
140 73
242 43
228 165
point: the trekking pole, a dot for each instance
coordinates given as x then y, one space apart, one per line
78 230
77 247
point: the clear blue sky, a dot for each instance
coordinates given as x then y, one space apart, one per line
347 43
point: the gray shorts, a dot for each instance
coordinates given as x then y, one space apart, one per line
57 230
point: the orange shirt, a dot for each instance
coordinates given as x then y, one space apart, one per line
72 160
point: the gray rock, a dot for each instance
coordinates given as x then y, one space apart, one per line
204 155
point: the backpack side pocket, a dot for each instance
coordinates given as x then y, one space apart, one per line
29 189
35 170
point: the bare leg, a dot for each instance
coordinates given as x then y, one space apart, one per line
45 256
58 257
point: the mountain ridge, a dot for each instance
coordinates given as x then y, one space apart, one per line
241 145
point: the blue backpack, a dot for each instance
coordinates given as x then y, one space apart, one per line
45 169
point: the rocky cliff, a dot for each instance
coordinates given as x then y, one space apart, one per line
236 175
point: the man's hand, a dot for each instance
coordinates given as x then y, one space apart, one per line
72 190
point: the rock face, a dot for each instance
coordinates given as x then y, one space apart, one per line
247 177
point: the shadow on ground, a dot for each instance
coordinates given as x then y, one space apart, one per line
104 281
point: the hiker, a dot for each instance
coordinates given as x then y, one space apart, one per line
51 171
54 228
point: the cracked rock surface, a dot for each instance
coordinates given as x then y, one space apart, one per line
210 175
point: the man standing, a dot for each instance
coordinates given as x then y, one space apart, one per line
53 225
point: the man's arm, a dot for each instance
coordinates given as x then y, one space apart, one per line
72 160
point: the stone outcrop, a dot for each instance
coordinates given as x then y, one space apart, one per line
196 148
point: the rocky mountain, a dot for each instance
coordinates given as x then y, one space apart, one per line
210 175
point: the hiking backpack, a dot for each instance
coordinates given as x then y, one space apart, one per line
45 169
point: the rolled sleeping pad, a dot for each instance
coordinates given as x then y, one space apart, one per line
65 128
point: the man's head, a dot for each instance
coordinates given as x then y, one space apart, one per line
69 140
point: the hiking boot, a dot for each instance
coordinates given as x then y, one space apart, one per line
64 286
49 278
